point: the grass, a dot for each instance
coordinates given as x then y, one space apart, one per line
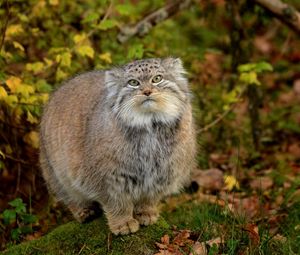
205 221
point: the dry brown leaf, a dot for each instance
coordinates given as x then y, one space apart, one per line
182 238
199 249
263 44
165 239
211 179
296 88
164 252
252 231
161 246
280 238
262 183
216 241
248 207
294 149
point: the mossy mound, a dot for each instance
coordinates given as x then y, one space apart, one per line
93 238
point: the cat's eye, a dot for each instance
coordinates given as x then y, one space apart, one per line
157 78
133 83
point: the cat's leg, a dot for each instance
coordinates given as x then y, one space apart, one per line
82 209
119 213
146 211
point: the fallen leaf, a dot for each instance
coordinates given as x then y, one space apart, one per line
182 238
261 183
211 179
199 249
32 138
296 88
231 182
165 239
263 44
280 238
216 241
252 231
294 149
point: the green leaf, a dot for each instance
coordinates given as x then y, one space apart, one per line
136 52
249 78
107 24
42 86
263 66
15 233
26 230
255 67
125 9
91 17
29 218
20 207
9 216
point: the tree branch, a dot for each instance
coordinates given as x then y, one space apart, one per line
286 13
143 27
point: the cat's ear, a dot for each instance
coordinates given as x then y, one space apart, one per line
113 77
174 64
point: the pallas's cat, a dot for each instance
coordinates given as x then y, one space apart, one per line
123 138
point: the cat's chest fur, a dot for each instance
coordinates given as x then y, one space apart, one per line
149 150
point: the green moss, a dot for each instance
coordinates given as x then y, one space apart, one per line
93 237
207 221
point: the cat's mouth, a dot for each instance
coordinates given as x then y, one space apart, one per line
148 103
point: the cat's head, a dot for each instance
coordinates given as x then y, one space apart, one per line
148 90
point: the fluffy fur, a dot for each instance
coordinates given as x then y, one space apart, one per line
123 146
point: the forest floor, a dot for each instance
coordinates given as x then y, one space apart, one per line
245 196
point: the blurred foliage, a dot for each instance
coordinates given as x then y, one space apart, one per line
44 42
17 219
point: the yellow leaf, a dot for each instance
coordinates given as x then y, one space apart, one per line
60 74
66 59
231 182
17 114
2 154
35 67
85 50
11 100
79 38
14 30
53 2
32 138
25 90
32 99
3 93
18 45
31 118
44 97
48 62
13 83
5 54
8 149
106 57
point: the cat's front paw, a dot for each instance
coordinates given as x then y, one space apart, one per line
147 218
126 227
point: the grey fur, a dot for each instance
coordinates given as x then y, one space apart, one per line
102 140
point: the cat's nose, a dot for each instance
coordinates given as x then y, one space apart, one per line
147 92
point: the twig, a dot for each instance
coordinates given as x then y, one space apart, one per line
17 160
143 27
106 15
217 120
286 13
3 30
